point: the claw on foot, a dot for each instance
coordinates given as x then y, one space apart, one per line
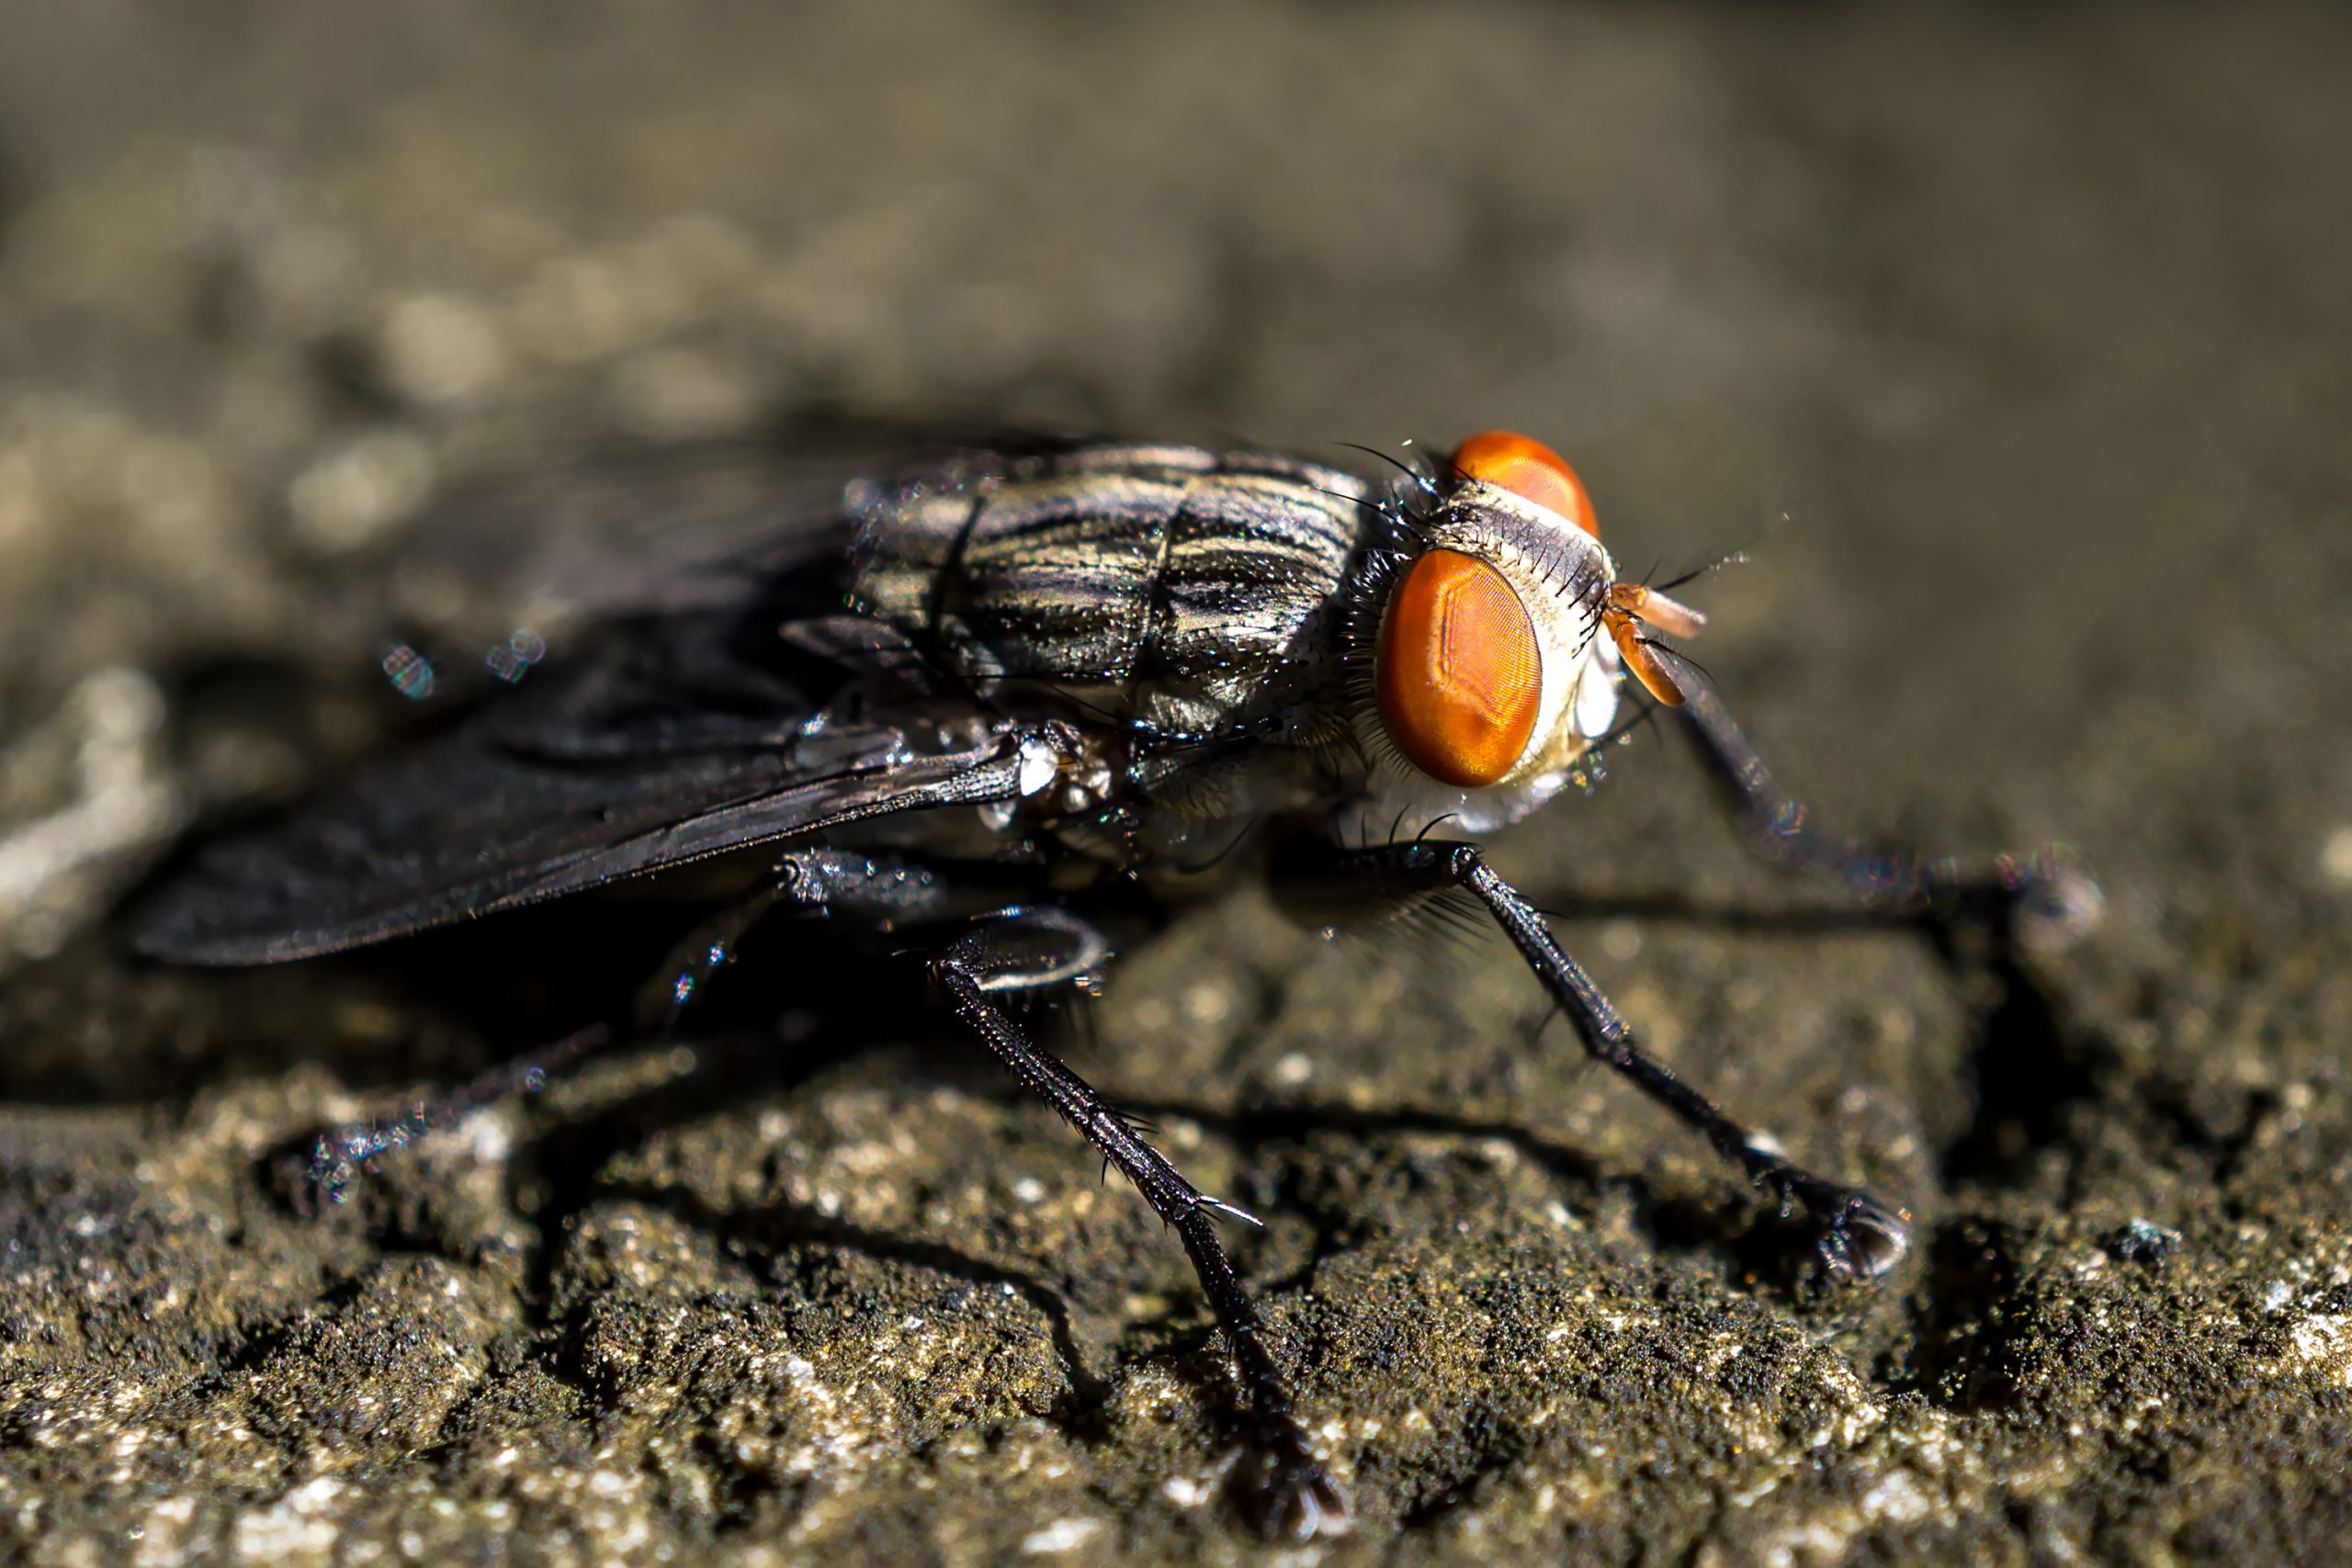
1863 1237
334 1163
1285 1492
2055 901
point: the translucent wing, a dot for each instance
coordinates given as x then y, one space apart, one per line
713 697
675 738
647 527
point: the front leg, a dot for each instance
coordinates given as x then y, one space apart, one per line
1861 1236
1287 1485
2049 894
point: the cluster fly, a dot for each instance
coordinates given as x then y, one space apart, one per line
982 689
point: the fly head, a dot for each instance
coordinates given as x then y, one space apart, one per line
1494 632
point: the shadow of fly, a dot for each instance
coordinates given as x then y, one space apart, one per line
953 696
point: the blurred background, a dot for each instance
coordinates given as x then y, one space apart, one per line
2017 342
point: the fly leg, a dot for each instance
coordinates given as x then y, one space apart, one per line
2053 897
879 890
339 1156
1290 1490
699 954
1861 1237
342 1155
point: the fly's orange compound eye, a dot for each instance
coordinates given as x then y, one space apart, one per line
1530 470
1459 673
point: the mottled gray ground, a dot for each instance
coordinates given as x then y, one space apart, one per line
2038 329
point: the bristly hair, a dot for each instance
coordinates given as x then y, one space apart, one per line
1400 516
1646 712
1738 556
1451 917
1196 868
1411 471
1429 826
1669 648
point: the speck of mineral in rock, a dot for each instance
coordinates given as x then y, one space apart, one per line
2335 857
1061 1536
351 494
57 869
438 348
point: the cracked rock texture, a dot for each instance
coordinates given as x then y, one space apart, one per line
2037 327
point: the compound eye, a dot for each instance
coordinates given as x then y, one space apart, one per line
1530 470
1459 673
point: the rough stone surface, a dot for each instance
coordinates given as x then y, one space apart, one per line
2036 326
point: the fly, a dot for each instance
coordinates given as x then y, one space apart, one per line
979 687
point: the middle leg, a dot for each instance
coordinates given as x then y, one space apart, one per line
1023 948
2048 896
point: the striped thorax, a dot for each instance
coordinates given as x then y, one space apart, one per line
1182 587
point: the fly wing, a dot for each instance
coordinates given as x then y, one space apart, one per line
626 530
674 738
716 699
659 526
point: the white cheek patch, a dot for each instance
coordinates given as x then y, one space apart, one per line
1596 700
